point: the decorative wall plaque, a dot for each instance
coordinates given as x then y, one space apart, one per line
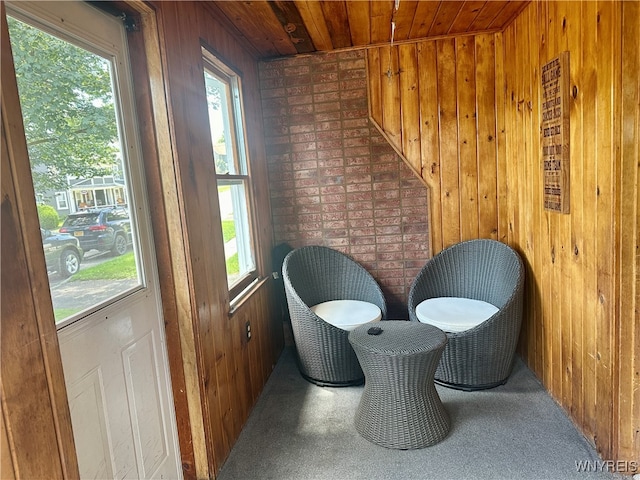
555 134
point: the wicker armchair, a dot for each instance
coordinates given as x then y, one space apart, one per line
313 275
487 270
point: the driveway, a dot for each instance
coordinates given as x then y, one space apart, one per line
84 294
80 294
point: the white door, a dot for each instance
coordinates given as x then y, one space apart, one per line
74 81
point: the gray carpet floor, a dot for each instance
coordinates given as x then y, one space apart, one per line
300 431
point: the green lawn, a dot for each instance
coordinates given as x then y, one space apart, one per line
229 233
124 267
233 267
62 313
117 268
228 230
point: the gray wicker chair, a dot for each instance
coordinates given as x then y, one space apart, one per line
486 270
313 275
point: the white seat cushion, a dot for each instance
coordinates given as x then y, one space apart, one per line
454 314
347 314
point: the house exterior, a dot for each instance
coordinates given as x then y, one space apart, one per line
96 192
87 193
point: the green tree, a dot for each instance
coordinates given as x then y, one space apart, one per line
48 217
67 106
215 90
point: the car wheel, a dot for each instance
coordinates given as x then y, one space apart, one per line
69 263
119 245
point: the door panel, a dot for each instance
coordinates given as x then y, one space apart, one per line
141 372
117 390
112 347
87 395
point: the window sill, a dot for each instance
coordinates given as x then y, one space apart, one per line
246 294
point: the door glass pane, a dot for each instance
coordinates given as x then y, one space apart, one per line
73 136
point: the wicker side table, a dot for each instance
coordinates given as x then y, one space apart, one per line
400 407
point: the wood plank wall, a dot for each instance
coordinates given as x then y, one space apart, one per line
627 440
36 438
478 149
230 371
446 129
581 334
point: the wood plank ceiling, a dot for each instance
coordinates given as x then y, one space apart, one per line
277 28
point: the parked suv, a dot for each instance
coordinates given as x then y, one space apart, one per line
62 252
108 229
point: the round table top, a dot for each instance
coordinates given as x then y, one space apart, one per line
398 337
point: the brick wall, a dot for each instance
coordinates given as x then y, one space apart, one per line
334 179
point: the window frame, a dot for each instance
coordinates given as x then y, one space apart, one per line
217 67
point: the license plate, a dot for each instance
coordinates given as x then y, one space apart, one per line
79 233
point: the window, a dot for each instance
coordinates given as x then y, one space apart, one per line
226 122
61 200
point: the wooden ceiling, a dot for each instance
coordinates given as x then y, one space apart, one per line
288 27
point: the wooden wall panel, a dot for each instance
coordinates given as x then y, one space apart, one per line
576 310
467 137
485 116
449 202
36 421
410 100
627 438
390 86
26 404
575 268
581 331
7 471
230 372
589 248
443 123
170 249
